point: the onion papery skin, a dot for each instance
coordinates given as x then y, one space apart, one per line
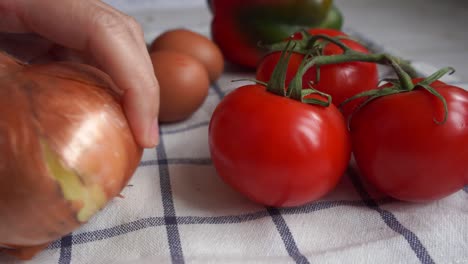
66 150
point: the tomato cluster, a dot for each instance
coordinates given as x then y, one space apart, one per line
281 145
341 80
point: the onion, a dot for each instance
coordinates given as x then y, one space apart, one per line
66 150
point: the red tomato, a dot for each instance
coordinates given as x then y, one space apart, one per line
277 151
341 80
401 150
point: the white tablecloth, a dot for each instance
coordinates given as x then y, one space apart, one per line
177 210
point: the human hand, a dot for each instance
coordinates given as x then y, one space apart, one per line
93 32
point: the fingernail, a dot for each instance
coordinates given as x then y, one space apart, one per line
154 132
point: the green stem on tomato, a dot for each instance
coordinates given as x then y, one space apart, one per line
295 89
277 81
295 86
402 85
353 56
426 85
313 39
300 94
309 41
405 80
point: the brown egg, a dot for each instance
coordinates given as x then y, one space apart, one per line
193 44
183 83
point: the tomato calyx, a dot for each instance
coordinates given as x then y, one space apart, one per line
315 58
304 41
403 84
294 90
312 47
426 84
307 43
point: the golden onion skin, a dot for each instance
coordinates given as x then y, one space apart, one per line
65 150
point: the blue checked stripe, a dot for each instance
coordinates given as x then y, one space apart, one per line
106 233
173 235
141 224
466 189
391 221
286 236
66 249
218 90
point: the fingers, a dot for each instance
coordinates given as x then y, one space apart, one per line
24 47
60 53
114 40
32 48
